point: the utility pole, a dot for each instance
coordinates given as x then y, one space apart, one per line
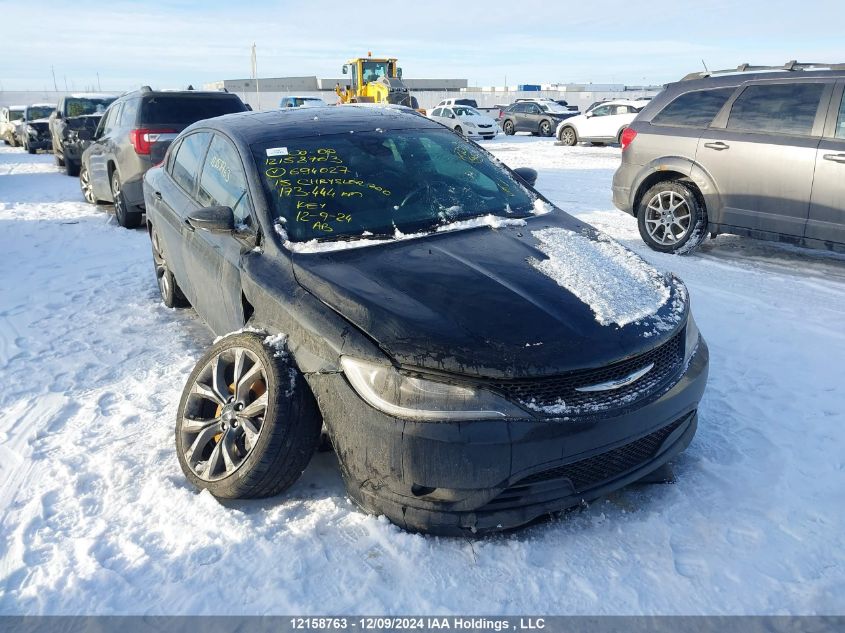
254 63
98 83
55 86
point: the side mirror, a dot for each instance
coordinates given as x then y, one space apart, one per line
527 174
84 135
588 115
345 69
248 107
213 219
58 114
399 73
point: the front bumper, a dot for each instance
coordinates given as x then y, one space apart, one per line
453 478
486 133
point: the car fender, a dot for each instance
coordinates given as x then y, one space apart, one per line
687 168
570 122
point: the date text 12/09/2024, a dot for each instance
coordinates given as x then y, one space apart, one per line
419 623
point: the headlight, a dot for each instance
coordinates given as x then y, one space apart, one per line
469 123
693 336
403 396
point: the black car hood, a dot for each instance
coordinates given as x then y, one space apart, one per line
474 302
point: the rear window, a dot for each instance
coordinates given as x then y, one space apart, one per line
15 115
184 110
82 106
788 108
694 109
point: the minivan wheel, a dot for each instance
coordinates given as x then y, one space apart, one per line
125 218
171 294
247 424
545 128
671 219
508 128
459 130
568 136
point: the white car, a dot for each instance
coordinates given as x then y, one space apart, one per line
466 121
301 102
601 124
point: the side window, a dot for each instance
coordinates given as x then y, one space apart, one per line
694 109
437 112
449 113
129 114
223 181
174 147
533 108
188 159
788 108
602 110
840 121
107 122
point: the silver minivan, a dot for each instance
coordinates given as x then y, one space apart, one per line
755 151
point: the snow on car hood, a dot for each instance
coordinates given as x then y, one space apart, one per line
479 302
618 286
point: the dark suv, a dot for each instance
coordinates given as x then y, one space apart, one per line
75 112
133 135
756 151
34 129
537 118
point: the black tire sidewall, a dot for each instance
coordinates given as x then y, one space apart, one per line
291 425
698 221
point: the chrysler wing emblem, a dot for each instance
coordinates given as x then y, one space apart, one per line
610 385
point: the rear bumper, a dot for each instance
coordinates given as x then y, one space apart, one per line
472 477
622 183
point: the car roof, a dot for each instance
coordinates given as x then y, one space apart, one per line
301 97
253 127
17 107
90 95
629 102
737 78
41 105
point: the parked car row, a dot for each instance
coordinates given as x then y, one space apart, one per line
27 126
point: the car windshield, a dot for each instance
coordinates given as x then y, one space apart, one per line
466 111
184 110
374 184
87 105
15 115
38 112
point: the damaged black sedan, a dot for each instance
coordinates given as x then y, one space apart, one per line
478 357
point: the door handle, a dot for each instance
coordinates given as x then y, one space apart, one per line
718 146
836 158
157 194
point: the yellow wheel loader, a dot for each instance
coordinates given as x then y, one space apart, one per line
375 80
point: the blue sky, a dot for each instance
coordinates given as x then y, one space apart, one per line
172 44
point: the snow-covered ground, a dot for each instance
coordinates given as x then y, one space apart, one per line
96 517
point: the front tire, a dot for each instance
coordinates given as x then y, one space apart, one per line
171 294
545 128
126 218
458 130
508 128
247 424
671 219
568 136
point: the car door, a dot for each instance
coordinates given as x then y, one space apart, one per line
826 220
213 260
99 153
436 114
531 119
595 122
760 152
174 199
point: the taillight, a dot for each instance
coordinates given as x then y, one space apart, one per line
628 136
143 138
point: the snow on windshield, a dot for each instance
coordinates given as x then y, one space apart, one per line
617 285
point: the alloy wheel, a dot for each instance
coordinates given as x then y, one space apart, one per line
224 415
85 185
568 136
161 267
667 218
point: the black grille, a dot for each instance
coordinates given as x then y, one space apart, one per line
560 391
584 474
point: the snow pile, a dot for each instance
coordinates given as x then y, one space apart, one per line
617 285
